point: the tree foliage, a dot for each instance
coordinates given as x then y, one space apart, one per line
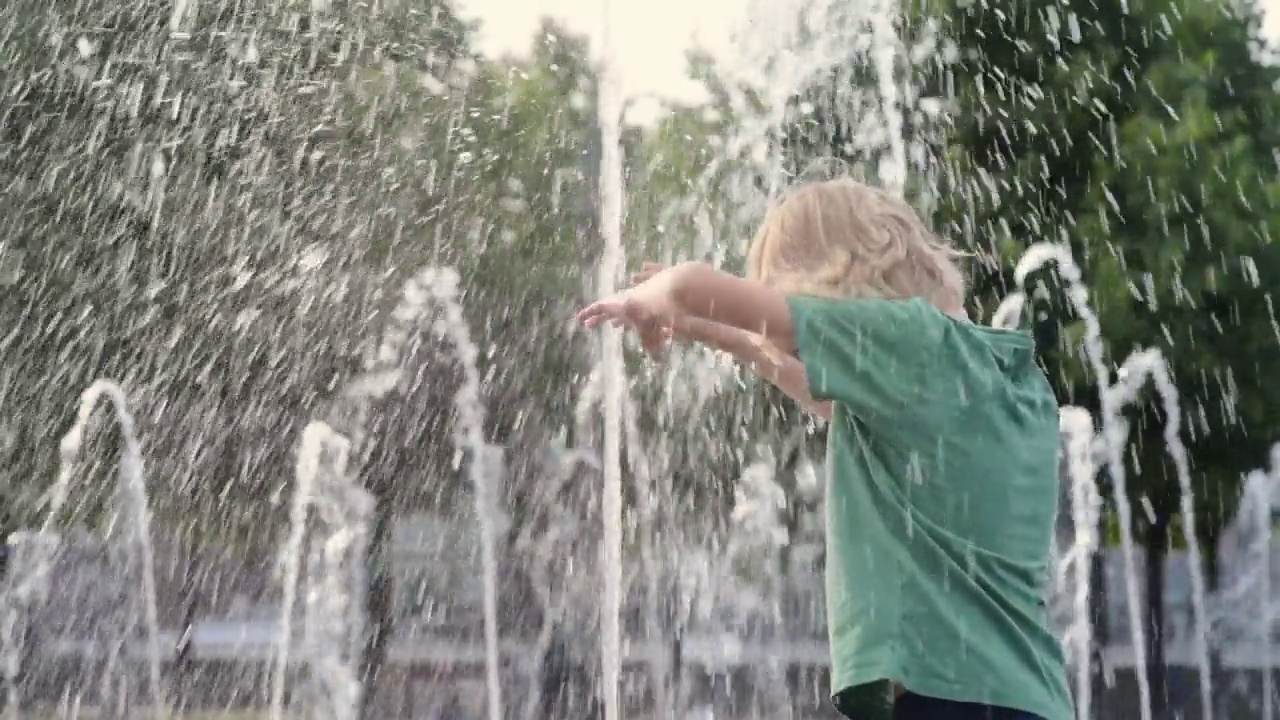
1145 141
1142 136
220 217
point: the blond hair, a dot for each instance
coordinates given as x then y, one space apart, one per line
842 239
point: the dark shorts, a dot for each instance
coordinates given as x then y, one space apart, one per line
918 707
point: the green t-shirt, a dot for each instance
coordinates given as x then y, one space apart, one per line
941 497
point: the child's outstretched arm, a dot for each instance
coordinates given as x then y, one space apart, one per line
702 292
657 300
697 290
785 373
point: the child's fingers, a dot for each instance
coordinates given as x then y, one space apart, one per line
592 314
598 320
604 310
585 315
610 306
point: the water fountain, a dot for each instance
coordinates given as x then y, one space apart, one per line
1075 561
1110 444
1136 370
37 555
438 287
325 482
885 51
321 572
613 378
1264 513
1244 594
799 40
331 578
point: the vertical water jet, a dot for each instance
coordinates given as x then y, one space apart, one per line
613 374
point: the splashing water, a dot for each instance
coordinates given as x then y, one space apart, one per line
1244 594
884 53
1130 378
1009 314
333 627
1077 427
1133 374
28 585
792 45
1264 520
136 514
431 289
330 514
1113 434
438 288
441 285
613 377
1263 508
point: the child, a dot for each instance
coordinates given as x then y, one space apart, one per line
942 449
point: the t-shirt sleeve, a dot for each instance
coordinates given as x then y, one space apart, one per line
866 353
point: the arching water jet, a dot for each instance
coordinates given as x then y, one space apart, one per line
135 508
333 576
1130 378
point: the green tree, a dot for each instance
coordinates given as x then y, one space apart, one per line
205 208
508 207
1142 136
691 197
221 218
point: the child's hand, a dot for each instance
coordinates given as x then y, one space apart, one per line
656 341
678 329
648 307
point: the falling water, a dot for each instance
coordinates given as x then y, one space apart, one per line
1243 597
26 588
1267 711
884 55
1137 369
1263 508
1130 378
1266 516
1265 511
613 374
1077 427
134 493
291 558
439 287
431 288
323 455
1113 435
334 614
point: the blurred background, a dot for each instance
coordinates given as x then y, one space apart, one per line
224 206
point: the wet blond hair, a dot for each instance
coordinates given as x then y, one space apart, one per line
842 238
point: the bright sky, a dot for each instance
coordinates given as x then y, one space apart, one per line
649 37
